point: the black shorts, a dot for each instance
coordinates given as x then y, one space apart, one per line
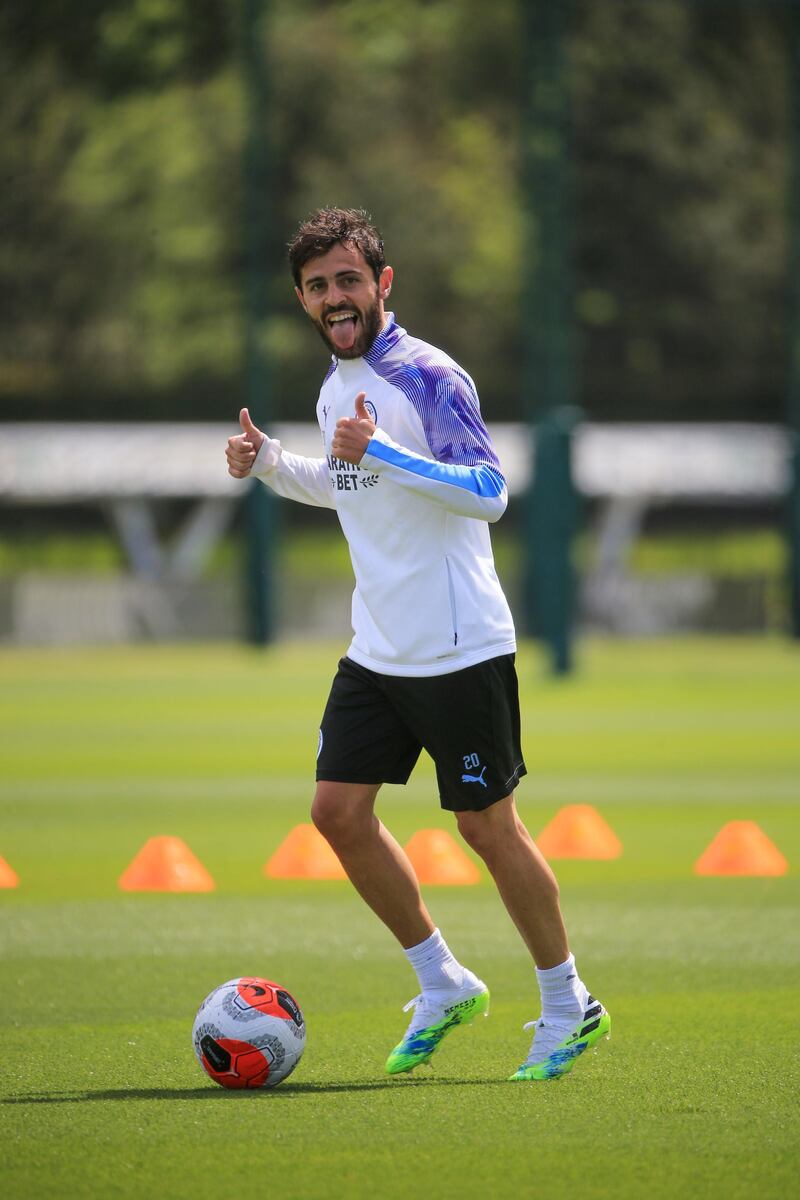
374 727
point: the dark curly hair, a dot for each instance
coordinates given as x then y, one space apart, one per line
329 226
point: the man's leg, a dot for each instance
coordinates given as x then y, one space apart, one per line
524 880
375 863
378 868
571 1019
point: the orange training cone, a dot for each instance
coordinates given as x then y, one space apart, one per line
8 876
741 848
166 864
437 858
304 855
578 831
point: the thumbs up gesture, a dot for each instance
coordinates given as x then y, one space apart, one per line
242 449
353 434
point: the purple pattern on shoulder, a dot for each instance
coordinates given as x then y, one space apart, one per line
442 394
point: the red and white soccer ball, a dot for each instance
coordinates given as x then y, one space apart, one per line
249 1033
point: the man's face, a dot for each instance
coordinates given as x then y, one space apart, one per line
342 297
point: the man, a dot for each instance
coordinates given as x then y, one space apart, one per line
414 479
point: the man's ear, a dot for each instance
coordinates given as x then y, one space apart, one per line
385 282
299 295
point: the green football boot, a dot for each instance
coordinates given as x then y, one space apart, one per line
556 1045
432 1020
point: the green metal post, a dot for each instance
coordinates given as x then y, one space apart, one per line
553 510
550 377
259 507
793 405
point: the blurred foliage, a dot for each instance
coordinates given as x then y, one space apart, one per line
311 553
121 257
91 553
735 554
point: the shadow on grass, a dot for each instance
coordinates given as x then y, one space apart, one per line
287 1091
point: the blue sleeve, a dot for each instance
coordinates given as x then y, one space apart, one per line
477 491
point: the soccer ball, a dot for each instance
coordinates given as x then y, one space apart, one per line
249 1033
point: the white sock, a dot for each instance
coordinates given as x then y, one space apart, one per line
434 964
563 994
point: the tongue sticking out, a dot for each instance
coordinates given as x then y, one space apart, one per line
343 333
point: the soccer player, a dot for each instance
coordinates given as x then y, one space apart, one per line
411 472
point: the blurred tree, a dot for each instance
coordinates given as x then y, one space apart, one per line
682 127
115 258
121 125
117 46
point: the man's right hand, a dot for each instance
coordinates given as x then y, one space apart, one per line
243 448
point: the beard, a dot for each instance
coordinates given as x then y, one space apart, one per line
368 325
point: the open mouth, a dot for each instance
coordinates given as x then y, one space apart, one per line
342 326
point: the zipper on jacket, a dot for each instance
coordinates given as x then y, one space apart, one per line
453 610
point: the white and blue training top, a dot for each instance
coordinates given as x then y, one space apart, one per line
427 599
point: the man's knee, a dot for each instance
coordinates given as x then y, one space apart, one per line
340 810
490 827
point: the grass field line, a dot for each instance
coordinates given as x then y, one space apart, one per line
185 787
534 789
153 926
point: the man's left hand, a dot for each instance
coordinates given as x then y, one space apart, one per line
353 434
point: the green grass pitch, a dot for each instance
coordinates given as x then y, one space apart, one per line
694 1095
